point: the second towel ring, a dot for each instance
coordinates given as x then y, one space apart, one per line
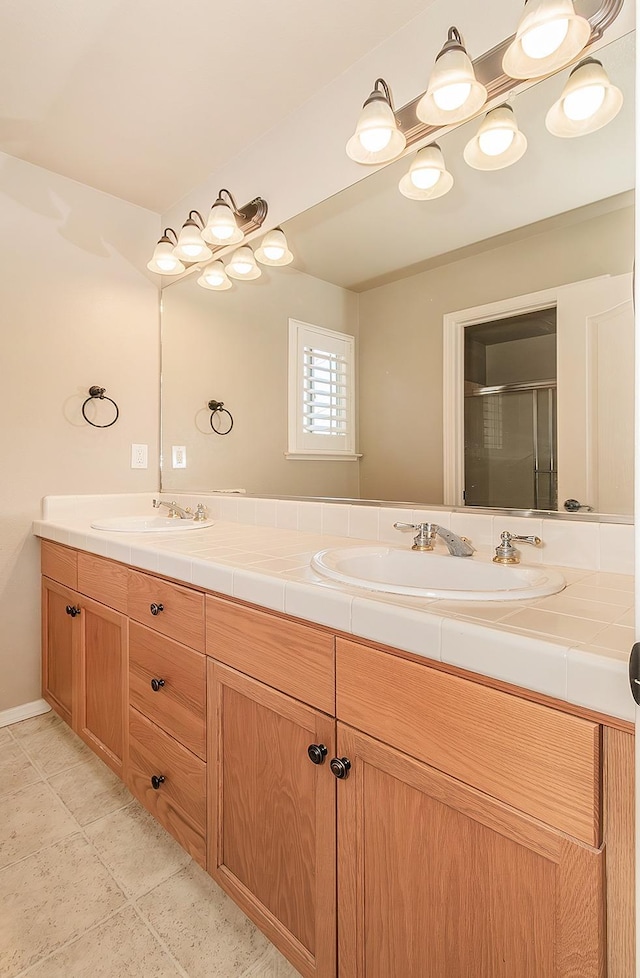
217 407
98 392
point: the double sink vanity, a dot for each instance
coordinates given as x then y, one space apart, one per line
369 803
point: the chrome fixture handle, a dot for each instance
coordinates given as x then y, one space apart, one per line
506 553
200 514
175 512
426 538
573 506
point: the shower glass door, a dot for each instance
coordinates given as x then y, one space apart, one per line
510 447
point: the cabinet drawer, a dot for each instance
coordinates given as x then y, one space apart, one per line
179 610
180 801
296 659
536 759
179 705
59 563
104 580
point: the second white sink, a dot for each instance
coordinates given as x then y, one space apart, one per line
432 575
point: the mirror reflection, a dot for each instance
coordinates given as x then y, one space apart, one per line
493 328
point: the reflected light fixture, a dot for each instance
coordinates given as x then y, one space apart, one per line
190 246
498 142
588 102
214 277
427 177
454 93
164 262
549 36
377 138
274 249
242 265
222 227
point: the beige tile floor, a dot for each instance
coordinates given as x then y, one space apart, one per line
92 887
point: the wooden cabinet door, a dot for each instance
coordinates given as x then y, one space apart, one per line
60 639
102 701
437 880
271 814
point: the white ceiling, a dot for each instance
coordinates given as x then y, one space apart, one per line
144 98
370 233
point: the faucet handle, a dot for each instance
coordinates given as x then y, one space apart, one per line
424 538
200 514
506 553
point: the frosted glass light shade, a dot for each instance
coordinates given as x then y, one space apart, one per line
454 93
214 277
242 265
377 138
274 249
588 102
549 36
164 262
190 246
222 227
428 177
498 142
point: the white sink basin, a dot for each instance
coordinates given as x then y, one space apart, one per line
148 524
432 575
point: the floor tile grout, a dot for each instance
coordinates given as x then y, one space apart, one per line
156 936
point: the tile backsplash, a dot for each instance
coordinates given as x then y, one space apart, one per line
565 542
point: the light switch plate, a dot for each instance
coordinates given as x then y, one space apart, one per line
139 456
178 456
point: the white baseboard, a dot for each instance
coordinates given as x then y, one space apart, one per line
23 712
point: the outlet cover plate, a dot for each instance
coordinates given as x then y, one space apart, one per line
139 456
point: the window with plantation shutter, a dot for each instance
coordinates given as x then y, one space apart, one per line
321 392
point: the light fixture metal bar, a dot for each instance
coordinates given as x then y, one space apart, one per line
251 216
488 67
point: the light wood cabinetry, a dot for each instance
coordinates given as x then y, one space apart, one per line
272 815
437 878
467 832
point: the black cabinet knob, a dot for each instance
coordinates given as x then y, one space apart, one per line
157 780
157 684
156 608
72 610
317 753
340 766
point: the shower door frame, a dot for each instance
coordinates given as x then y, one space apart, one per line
454 325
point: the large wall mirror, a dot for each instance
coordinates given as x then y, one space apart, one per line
493 332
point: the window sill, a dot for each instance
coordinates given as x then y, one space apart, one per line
322 456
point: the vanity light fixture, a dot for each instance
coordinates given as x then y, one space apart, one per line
190 246
274 249
454 93
428 176
164 262
243 265
377 138
549 36
498 142
214 277
588 102
222 226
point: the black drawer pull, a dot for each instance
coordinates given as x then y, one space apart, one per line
72 610
317 753
340 766
157 684
157 780
156 608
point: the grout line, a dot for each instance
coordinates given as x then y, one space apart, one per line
73 940
158 939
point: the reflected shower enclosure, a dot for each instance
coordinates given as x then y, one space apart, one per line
510 407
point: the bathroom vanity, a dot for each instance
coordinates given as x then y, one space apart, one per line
345 793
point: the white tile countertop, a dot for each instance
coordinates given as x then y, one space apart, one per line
573 646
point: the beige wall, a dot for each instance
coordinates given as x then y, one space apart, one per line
76 311
232 347
400 359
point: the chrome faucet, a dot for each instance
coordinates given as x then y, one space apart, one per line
506 553
427 534
175 512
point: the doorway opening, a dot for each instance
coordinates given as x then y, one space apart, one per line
510 412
